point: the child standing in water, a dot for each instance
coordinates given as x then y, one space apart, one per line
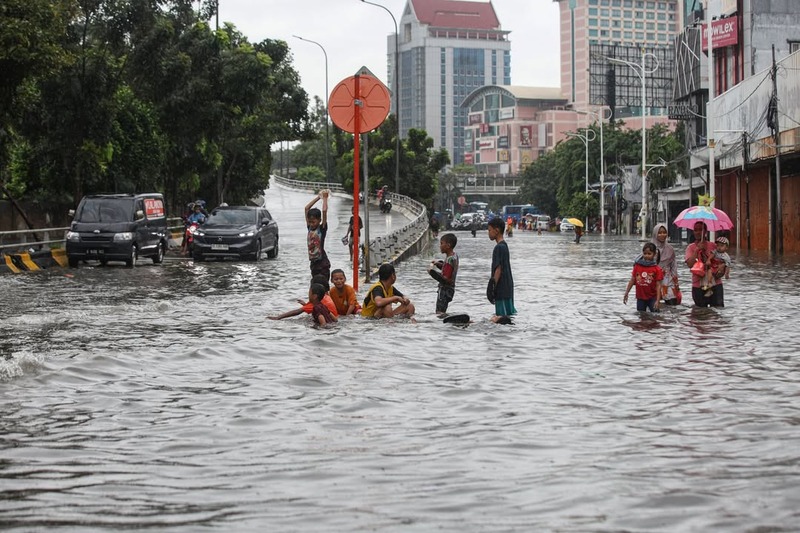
446 273
317 223
647 277
501 278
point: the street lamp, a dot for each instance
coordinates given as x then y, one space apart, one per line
586 138
642 71
396 93
327 126
600 116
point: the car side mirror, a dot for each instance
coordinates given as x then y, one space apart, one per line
139 214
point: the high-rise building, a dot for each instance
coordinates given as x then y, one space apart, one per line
448 49
605 43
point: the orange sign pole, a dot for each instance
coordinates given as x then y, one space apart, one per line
356 172
359 104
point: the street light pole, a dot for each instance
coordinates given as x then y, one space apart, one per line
396 94
600 118
642 71
585 138
327 125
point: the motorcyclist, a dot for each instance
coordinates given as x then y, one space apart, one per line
196 217
383 196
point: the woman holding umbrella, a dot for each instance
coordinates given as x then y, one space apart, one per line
701 250
700 218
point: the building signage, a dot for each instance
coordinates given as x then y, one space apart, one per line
502 155
468 158
682 111
502 142
506 113
724 32
485 144
484 128
475 118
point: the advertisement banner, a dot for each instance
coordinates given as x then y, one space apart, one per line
475 118
506 113
468 159
502 142
502 155
485 144
525 135
153 208
484 128
724 32
525 157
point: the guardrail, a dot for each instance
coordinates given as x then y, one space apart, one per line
24 243
392 247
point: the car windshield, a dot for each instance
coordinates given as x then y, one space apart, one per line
232 216
106 210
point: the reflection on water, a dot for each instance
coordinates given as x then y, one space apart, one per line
160 398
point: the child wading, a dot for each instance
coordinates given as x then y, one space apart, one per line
647 277
446 275
501 280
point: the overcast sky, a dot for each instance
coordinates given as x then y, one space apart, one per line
354 35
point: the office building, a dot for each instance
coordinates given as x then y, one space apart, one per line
448 49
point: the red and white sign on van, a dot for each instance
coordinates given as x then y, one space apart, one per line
153 208
724 32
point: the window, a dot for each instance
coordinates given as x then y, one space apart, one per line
593 11
592 22
592 32
794 46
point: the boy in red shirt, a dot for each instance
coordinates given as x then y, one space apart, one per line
647 277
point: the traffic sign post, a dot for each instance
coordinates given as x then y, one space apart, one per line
357 105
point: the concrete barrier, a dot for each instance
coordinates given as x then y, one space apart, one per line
33 261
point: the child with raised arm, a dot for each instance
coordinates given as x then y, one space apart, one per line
343 295
317 223
446 273
647 277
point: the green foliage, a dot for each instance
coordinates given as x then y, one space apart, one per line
311 174
140 95
556 182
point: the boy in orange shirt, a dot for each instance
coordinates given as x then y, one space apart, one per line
343 295
308 307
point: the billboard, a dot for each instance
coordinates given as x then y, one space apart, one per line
502 141
502 155
475 118
724 32
485 144
525 135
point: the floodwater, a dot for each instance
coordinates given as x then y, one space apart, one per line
159 398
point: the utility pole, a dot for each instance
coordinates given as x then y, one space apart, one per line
777 214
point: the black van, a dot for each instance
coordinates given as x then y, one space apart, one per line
118 227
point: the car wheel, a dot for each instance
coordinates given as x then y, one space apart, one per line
131 261
104 262
159 257
273 253
257 255
198 257
73 262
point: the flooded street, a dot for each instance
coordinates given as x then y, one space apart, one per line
160 398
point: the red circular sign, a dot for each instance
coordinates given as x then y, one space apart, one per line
375 103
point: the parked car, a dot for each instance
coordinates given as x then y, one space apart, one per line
236 231
567 225
118 227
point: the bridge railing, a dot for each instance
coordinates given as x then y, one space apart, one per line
392 247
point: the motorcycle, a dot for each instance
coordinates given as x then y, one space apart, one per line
386 205
188 237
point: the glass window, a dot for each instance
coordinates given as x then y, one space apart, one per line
604 12
628 14
592 11
628 35
639 25
604 23
627 24
592 32
592 22
616 34
651 16
616 13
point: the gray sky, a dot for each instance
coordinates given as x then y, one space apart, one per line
354 35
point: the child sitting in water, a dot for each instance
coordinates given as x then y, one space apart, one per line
343 295
308 307
647 277
322 315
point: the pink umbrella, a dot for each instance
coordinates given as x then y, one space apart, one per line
715 219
